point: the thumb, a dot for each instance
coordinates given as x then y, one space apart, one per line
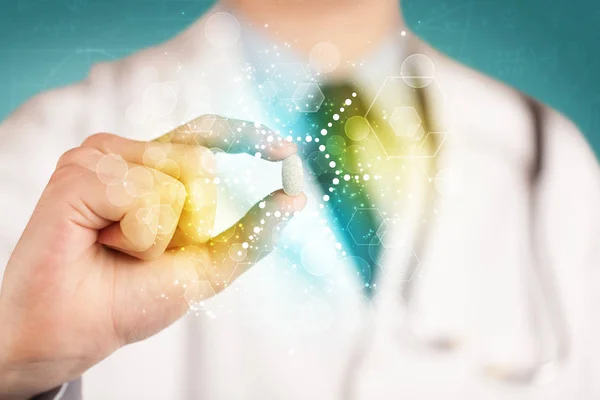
150 295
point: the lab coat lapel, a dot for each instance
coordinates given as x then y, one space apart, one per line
472 291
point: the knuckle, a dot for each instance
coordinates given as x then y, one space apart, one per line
77 156
175 187
208 116
150 200
66 174
200 161
96 139
177 193
69 157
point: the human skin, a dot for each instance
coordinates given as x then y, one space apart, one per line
353 26
120 233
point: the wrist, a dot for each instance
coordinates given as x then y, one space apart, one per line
20 379
8 376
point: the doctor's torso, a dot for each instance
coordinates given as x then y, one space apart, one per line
299 325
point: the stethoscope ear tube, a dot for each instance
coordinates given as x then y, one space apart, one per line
546 364
541 268
546 315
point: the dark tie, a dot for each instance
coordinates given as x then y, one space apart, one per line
356 218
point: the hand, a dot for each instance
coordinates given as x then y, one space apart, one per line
120 238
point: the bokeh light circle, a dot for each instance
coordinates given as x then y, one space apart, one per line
112 169
316 260
222 30
357 128
325 57
417 71
159 100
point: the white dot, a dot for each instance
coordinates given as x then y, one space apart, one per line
332 164
366 177
336 117
323 132
326 197
336 181
322 147
308 139
346 177
348 102
354 94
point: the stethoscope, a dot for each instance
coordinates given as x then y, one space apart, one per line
544 368
545 277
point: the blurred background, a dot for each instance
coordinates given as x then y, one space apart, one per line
547 48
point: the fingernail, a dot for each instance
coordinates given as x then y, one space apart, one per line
299 202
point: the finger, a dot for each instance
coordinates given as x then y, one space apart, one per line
163 288
135 209
180 161
181 278
232 136
250 239
193 165
147 231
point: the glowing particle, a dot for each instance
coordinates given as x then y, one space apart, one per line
325 197
292 175
332 164
323 132
336 117
366 177
336 181
348 102
346 177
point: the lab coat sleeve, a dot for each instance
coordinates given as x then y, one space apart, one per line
68 391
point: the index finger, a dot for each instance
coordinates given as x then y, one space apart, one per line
232 136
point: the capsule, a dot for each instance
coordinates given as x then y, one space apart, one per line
292 175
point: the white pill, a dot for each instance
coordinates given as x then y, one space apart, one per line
292 175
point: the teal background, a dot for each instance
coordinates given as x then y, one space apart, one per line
547 48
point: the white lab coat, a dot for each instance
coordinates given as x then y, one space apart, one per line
277 334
